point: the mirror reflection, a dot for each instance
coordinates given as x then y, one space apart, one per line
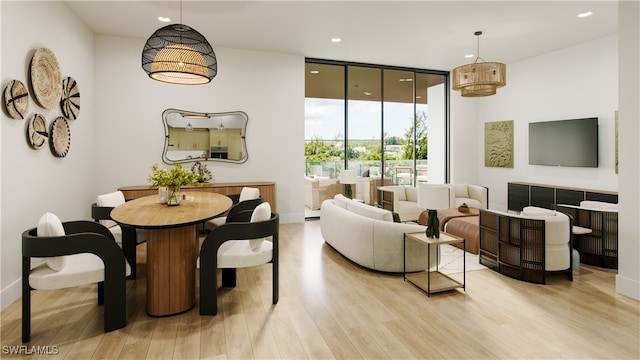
194 136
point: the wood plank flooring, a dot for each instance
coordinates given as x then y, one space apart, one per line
331 308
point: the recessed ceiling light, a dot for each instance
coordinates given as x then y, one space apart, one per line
314 71
469 56
163 19
367 93
405 79
585 14
336 40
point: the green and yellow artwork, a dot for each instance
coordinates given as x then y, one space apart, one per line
498 144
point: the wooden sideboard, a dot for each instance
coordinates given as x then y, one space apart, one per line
521 194
267 190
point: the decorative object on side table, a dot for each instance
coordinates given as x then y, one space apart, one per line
433 197
464 208
347 178
203 174
172 179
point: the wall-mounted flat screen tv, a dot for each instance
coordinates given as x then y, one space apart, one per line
564 143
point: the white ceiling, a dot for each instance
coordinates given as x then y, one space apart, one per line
419 34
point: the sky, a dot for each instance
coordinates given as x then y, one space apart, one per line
324 118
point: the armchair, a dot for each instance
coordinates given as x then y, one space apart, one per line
473 195
127 237
400 199
236 244
248 199
599 245
526 246
75 253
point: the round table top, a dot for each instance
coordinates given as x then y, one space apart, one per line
147 212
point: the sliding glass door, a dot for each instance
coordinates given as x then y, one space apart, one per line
388 124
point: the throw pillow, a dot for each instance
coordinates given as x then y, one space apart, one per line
396 217
262 212
50 225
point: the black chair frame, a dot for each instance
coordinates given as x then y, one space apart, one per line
129 235
81 237
237 228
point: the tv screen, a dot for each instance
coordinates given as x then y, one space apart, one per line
564 143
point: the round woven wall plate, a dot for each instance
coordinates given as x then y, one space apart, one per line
60 137
46 78
70 102
37 131
16 99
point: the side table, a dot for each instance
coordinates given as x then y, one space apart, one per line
433 281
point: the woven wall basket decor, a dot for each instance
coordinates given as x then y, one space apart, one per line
70 102
37 131
16 99
60 137
46 78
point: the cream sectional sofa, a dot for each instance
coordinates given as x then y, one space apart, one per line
368 236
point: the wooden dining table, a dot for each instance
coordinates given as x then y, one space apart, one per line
172 245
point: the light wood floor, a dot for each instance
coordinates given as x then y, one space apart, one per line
331 308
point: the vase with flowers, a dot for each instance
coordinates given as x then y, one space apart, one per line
203 174
172 178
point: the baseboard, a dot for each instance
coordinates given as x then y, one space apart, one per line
628 287
10 294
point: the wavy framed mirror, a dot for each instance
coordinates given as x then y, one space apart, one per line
196 136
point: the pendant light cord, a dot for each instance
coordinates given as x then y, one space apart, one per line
477 34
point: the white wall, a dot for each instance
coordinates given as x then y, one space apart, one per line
34 181
575 82
269 87
628 279
464 127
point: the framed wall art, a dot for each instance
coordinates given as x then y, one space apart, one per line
498 144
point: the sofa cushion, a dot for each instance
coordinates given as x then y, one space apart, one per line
81 269
369 211
537 211
470 202
411 193
341 200
461 190
50 225
599 205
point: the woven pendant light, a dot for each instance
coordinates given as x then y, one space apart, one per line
480 78
178 54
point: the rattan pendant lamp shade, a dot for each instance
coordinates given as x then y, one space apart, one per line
178 54
480 78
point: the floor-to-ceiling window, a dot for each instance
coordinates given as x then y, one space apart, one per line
389 124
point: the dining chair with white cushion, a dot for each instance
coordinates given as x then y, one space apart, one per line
74 253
